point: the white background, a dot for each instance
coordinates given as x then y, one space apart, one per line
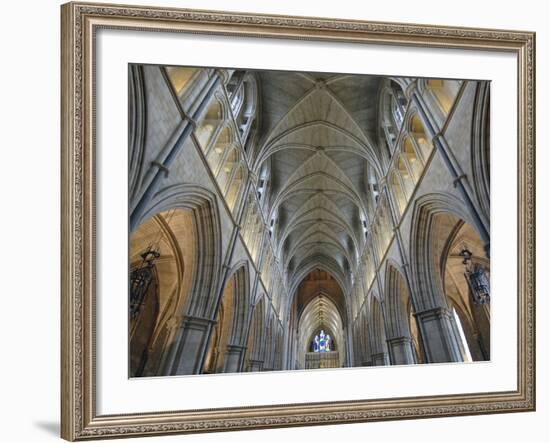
29 181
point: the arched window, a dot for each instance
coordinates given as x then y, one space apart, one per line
364 226
421 139
237 100
253 230
249 220
398 104
246 107
234 89
272 226
225 173
389 125
372 187
399 195
234 190
393 107
322 342
217 153
412 157
180 77
207 127
263 184
256 247
408 181
445 92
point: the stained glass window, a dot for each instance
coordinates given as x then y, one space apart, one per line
322 342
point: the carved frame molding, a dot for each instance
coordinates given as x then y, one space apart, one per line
80 21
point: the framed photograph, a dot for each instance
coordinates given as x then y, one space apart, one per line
283 221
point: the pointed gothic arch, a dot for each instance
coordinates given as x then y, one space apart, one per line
226 349
436 218
255 348
397 301
291 183
377 332
431 212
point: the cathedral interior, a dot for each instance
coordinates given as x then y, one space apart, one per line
292 220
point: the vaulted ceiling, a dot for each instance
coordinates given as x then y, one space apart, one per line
318 134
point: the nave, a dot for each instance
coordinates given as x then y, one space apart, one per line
285 220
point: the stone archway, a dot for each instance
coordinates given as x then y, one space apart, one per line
435 220
162 259
255 348
398 331
190 325
377 333
227 346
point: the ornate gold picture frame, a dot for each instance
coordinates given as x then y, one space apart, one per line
80 24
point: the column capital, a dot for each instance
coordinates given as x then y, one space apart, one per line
255 365
399 340
439 335
411 87
438 311
380 359
223 74
195 322
175 322
235 348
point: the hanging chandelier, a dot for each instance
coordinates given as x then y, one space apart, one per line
477 278
140 280
142 276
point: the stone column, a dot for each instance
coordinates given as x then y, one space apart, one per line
233 359
401 351
380 359
440 341
173 326
192 345
255 365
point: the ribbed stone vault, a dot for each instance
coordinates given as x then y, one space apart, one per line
320 314
317 133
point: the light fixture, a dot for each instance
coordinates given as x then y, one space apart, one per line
140 280
477 278
142 276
